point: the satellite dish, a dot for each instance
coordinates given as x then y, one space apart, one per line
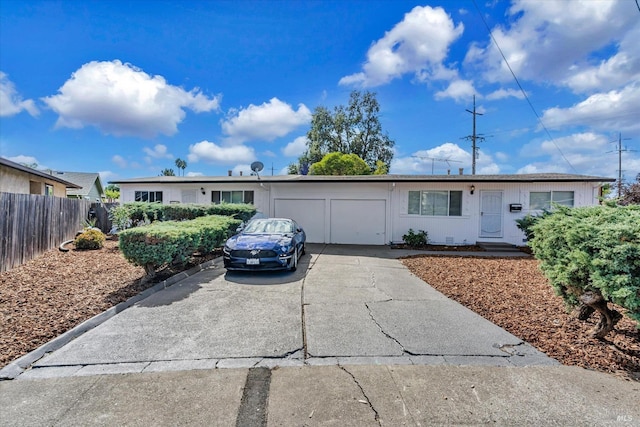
257 166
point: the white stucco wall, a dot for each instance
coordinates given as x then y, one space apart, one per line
463 229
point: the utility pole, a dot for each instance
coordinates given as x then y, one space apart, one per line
619 149
474 137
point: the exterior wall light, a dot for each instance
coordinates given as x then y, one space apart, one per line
472 189
202 191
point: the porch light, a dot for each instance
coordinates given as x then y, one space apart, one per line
472 189
202 190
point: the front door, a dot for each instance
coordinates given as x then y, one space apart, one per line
491 214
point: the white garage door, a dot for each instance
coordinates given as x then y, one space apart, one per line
309 213
360 222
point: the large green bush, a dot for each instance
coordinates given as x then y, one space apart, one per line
173 242
143 213
592 256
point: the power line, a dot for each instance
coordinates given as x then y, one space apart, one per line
495 42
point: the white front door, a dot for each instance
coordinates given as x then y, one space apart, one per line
491 214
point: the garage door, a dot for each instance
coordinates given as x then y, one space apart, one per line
309 213
360 222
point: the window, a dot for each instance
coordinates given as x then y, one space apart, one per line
435 203
48 190
149 196
539 200
240 196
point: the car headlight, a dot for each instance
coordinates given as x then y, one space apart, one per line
285 249
226 250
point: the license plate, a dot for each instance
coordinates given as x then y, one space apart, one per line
253 261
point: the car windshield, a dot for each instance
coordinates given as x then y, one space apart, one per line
269 226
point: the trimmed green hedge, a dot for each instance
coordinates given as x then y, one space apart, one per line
174 242
592 251
136 213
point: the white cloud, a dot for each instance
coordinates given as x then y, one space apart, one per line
266 122
417 45
615 109
11 102
557 41
25 160
585 153
458 90
195 174
212 153
119 160
438 160
121 99
106 176
296 147
244 168
159 151
504 93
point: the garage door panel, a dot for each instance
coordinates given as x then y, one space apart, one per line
309 213
361 222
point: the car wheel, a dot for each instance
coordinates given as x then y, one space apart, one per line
294 261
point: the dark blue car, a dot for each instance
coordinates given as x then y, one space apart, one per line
266 244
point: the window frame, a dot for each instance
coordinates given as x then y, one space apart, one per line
453 204
246 196
552 200
157 196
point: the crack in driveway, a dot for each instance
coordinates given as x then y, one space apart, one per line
366 400
384 332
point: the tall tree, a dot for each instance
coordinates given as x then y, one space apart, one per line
353 129
167 172
181 164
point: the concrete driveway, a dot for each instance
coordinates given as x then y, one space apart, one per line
344 305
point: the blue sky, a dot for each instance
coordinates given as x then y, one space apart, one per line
125 88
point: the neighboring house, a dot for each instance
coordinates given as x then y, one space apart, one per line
90 185
379 209
16 178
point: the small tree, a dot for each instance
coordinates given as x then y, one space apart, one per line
167 172
340 164
112 192
631 193
592 256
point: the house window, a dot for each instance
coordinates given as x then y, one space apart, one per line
240 196
149 196
48 190
435 203
542 200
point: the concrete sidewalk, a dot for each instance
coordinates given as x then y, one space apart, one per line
353 395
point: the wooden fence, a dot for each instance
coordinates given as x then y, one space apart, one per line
31 224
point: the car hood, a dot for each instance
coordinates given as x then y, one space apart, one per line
259 241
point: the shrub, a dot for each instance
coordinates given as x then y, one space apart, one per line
415 240
90 238
527 222
592 256
173 242
142 213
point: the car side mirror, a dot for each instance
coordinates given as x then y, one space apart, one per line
240 228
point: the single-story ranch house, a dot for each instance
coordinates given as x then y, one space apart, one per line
19 179
380 209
